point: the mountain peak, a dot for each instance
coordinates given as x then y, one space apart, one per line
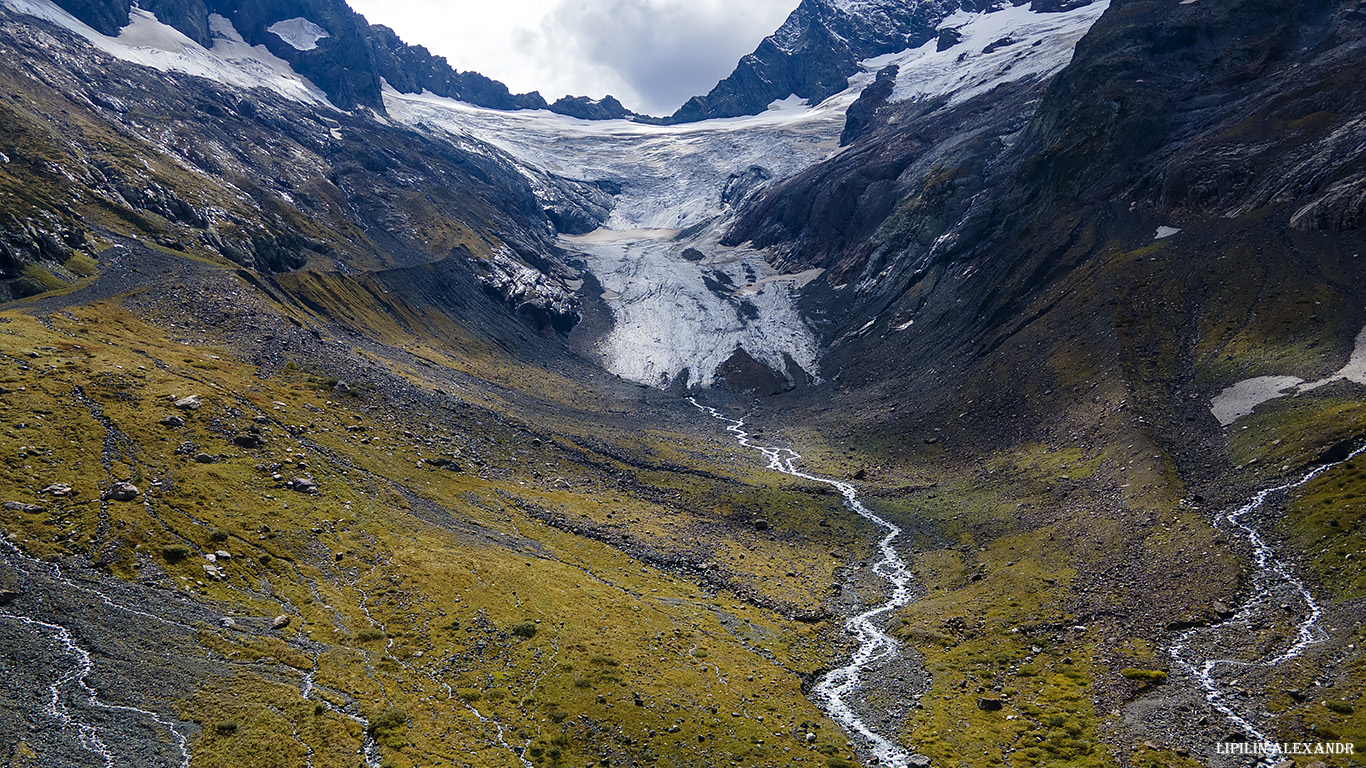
823 42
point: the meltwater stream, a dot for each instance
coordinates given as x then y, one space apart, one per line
874 644
1271 580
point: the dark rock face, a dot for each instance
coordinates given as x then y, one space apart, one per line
189 16
1340 208
578 207
1175 112
978 239
740 185
744 375
948 38
104 16
342 64
48 239
891 195
858 118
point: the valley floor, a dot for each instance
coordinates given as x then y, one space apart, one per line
369 545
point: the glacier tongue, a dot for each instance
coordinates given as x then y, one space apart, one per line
672 313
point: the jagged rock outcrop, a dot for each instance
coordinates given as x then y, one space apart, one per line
413 69
743 375
859 117
584 108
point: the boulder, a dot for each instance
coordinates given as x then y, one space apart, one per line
989 704
8 595
189 403
204 458
228 623
57 489
123 492
19 506
248 441
919 761
172 421
303 485
280 622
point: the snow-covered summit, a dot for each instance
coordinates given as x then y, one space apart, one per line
1005 45
820 45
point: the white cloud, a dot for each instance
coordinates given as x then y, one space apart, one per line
651 54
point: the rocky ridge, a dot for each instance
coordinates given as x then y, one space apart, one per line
820 45
347 57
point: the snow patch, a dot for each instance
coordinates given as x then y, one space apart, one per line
791 102
1242 398
1165 231
300 33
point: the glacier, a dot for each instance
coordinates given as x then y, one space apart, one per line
672 315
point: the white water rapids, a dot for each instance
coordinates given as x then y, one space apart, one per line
1272 578
874 644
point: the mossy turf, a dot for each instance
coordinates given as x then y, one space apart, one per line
473 600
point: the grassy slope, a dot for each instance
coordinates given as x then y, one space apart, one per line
404 580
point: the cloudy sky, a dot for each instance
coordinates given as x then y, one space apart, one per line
651 54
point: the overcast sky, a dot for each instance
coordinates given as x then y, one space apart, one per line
651 54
